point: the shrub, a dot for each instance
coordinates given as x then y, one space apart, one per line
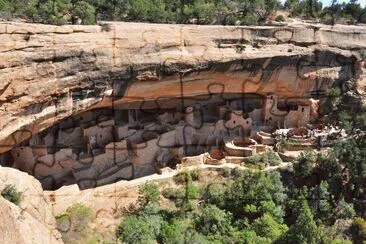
214 194
226 172
182 177
135 229
237 172
334 94
195 174
74 224
359 229
263 160
11 194
148 193
250 19
280 18
169 193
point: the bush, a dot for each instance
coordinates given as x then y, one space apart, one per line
226 172
359 229
135 229
214 194
195 174
169 193
263 160
280 18
74 224
148 193
182 177
11 194
237 172
250 19
326 19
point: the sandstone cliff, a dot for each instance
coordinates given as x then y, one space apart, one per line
30 222
50 72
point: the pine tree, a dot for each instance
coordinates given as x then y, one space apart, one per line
304 230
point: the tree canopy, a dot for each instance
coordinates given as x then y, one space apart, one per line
227 12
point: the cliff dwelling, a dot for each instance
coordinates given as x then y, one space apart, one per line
105 145
112 108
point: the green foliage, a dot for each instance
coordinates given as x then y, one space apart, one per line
320 201
263 160
169 193
135 229
280 18
249 208
269 227
334 93
237 172
213 221
84 11
75 224
359 230
214 194
304 230
250 19
226 172
230 12
351 155
304 164
195 174
343 210
147 10
148 194
186 196
182 177
172 232
11 194
254 193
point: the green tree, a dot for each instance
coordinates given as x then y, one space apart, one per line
293 6
213 221
214 194
172 232
268 227
18 8
135 229
343 210
320 201
359 230
84 11
54 11
304 230
204 11
147 10
304 164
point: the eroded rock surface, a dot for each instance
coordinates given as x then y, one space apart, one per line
48 73
31 221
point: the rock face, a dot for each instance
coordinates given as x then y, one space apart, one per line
30 222
48 73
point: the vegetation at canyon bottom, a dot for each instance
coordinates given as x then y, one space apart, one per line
320 201
226 12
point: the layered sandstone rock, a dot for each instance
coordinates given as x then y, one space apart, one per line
50 72
30 222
